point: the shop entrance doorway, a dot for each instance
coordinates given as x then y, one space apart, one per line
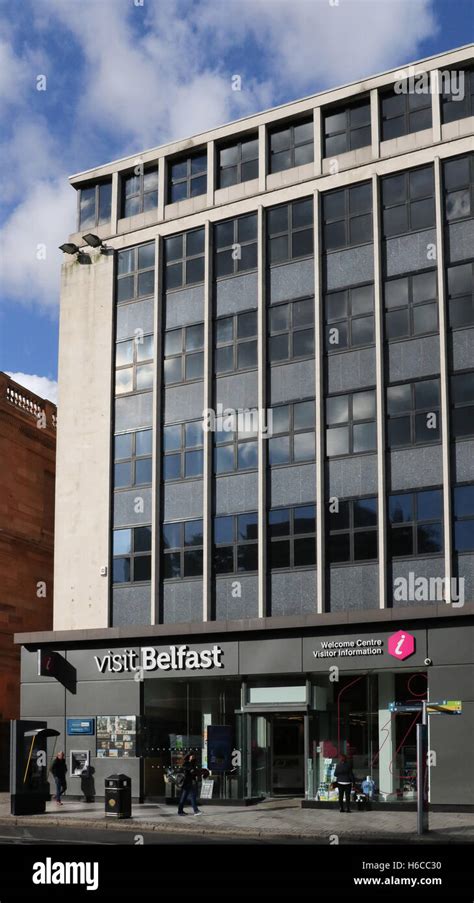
277 754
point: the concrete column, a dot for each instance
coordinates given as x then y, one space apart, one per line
318 141
380 394
262 157
114 204
444 378
208 436
436 105
319 404
161 188
262 406
375 122
156 515
211 172
386 732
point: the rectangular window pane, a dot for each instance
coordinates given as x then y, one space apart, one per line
337 441
279 522
279 554
305 552
365 545
364 437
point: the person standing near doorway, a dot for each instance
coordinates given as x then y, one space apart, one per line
59 771
189 785
344 778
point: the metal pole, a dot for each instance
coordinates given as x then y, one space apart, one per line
421 773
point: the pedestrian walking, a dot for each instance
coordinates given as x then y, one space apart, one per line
344 778
59 771
189 785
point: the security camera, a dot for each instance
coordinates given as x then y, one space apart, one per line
428 661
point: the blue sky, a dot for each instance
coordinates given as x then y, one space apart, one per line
123 75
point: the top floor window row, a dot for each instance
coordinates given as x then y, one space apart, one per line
405 108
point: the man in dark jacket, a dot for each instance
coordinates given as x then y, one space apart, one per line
189 787
344 777
59 770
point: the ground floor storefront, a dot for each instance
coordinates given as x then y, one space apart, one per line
266 713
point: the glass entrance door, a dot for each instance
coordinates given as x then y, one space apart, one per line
287 755
276 755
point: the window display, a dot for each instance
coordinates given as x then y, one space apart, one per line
116 736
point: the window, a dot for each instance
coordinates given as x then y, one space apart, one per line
413 413
182 545
183 450
292 433
458 102
349 318
184 258
292 537
347 217
458 177
405 112
411 305
236 543
291 145
237 162
352 530
187 177
235 450
291 328
463 513
290 231
350 421
346 128
235 343
136 273
415 523
461 295
184 354
408 202
134 365
235 244
95 204
462 399
140 191
132 457
131 555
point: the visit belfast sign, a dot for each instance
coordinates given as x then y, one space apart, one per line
148 658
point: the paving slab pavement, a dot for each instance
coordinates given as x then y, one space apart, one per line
278 818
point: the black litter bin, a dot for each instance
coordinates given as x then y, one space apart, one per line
118 796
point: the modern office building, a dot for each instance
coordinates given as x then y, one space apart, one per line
265 496
27 469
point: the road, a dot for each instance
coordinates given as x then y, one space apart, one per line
16 834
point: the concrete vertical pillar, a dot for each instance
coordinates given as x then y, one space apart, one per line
156 511
444 377
208 436
319 403
380 393
386 733
262 406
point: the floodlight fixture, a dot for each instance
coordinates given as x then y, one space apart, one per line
69 248
93 240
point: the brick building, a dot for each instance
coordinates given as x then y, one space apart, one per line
27 474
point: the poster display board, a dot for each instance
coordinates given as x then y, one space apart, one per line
116 736
79 763
207 788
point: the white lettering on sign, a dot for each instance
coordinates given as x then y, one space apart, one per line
179 658
342 648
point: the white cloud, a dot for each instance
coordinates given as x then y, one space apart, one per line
40 385
30 260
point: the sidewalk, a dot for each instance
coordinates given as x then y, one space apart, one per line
276 818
